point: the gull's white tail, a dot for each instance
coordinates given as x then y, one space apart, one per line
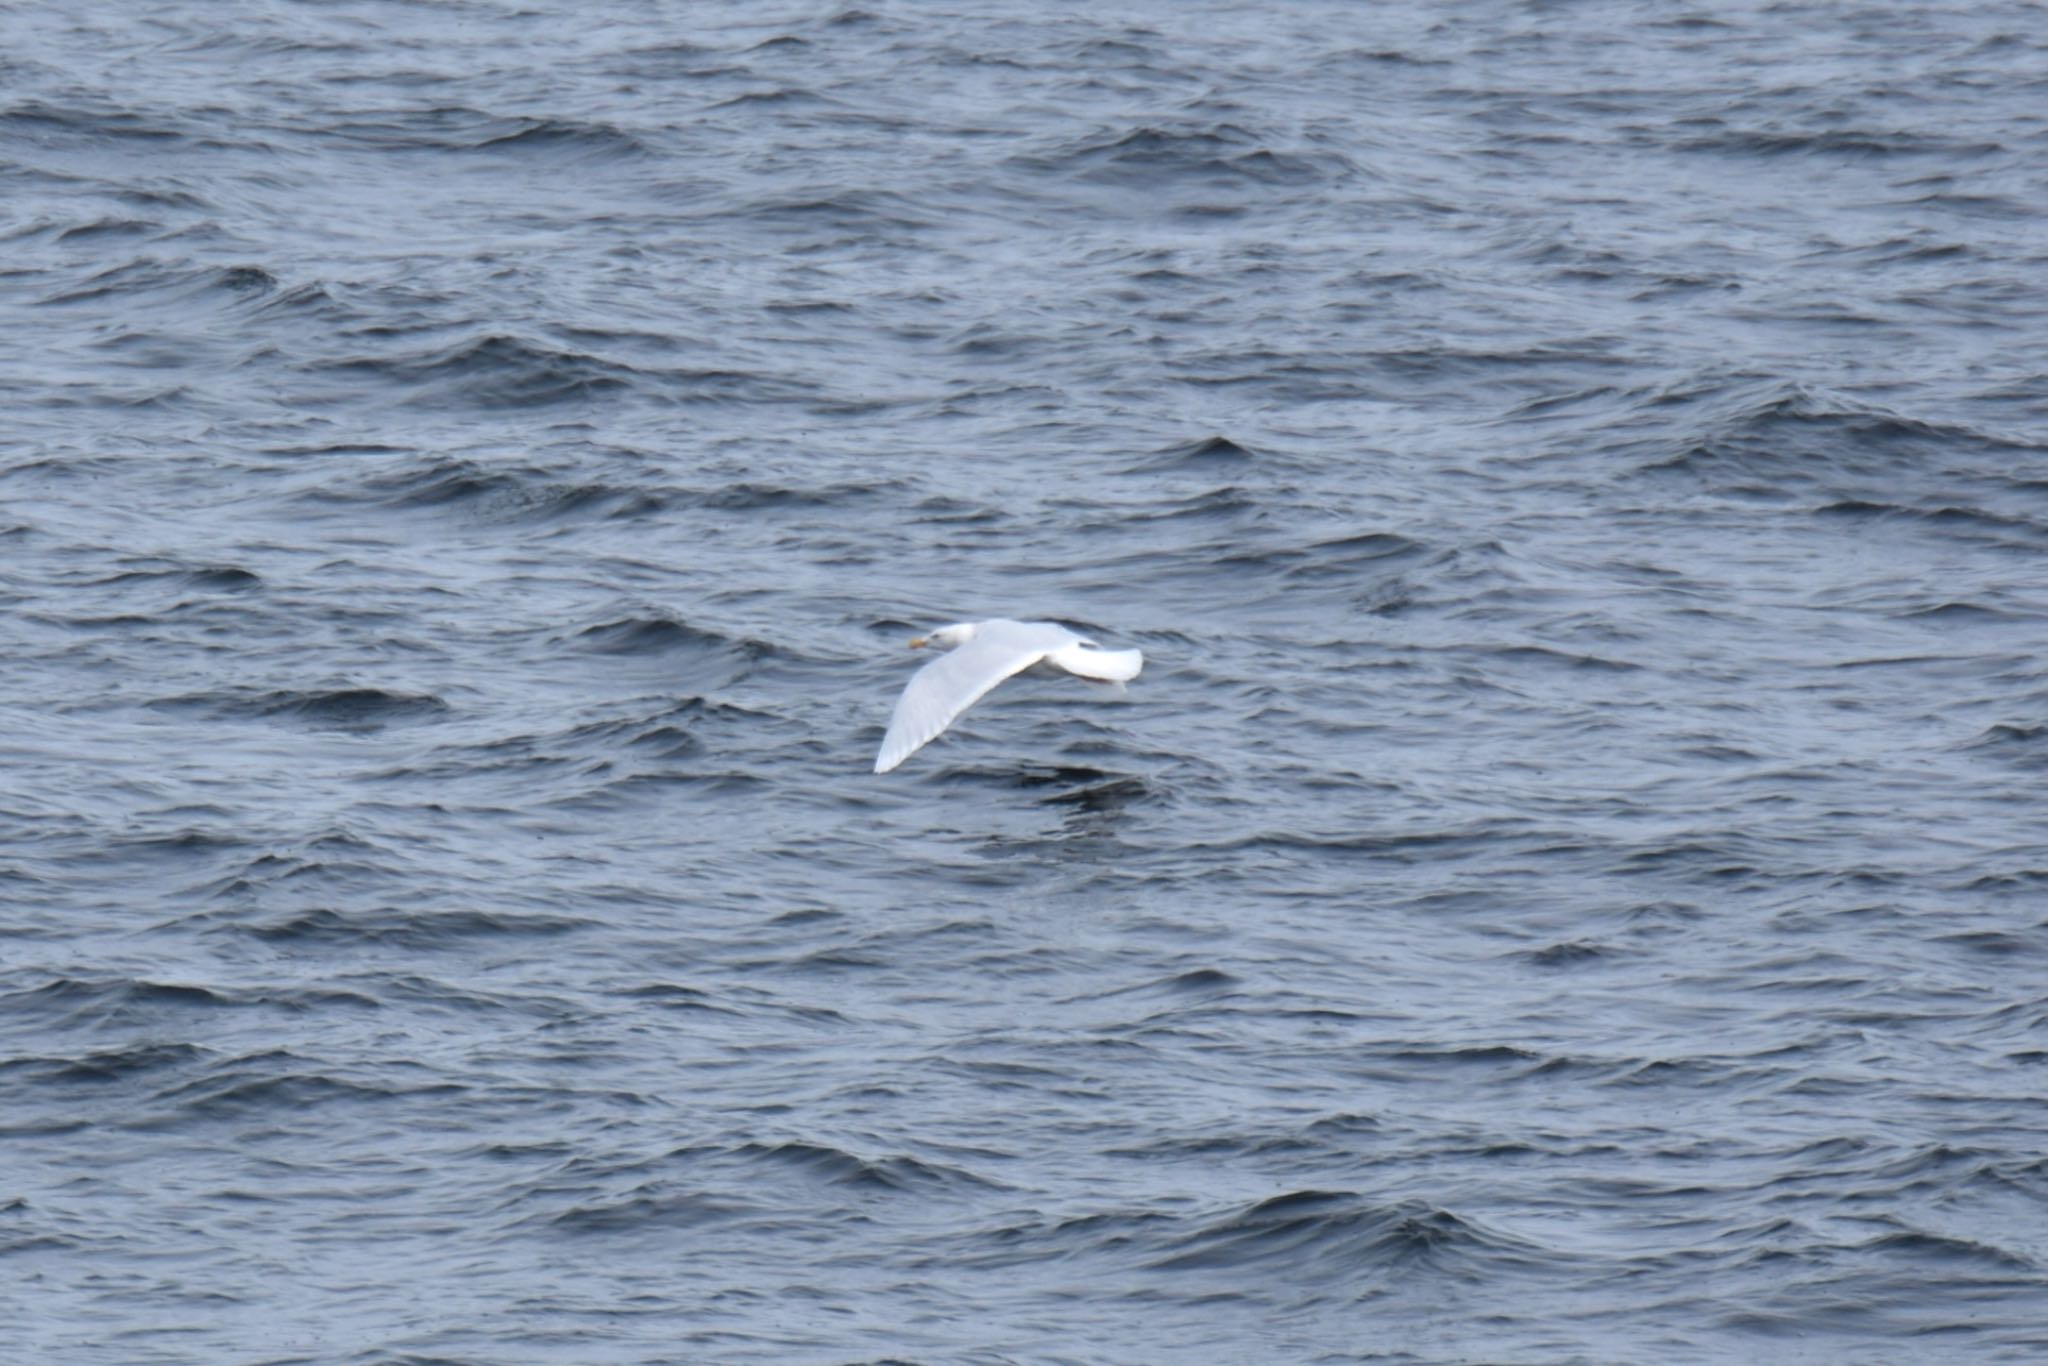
1110 666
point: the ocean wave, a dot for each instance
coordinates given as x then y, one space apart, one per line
357 708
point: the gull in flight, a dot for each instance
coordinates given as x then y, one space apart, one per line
981 654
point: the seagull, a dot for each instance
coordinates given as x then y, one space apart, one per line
980 655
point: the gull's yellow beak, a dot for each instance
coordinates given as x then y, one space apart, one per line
919 642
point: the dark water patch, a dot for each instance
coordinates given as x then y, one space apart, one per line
879 214
109 227
667 742
224 578
1544 655
494 371
176 845
781 97
1207 983
1219 1148
245 280
1966 205
310 300
649 636
210 578
1832 143
43 123
1569 954
663 55
1343 1125
1371 551
120 1003
1963 613
946 511
410 928
70 1001
2026 879
424 484
413 992
1398 847
837 1167
1373 58
1065 776
809 915
1576 1070
104 1066
674 996
1225 503
673 731
654 1209
757 496
162 285
510 493
334 448
1699 1075
236 885
1950 1253
1943 516
1209 456
458 129
1790 438
1335 1235
798 307
1131 48
1914 663
2023 746
141 276
1114 795
1026 1240
1159 157
242 1092
502 763
1486 1056
359 710
621 797
564 138
1995 944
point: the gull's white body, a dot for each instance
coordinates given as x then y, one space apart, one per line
981 654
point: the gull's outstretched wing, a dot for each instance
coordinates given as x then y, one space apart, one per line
953 682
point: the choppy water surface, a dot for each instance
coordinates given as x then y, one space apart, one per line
1571 884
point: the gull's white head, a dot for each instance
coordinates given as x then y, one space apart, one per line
947 637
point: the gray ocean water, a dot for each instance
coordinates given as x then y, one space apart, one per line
1570 885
